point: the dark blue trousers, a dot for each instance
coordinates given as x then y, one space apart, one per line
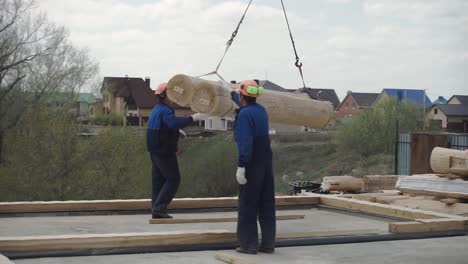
165 180
257 199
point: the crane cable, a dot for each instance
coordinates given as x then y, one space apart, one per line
297 63
228 44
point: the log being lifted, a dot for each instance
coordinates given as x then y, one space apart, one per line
342 184
444 160
209 97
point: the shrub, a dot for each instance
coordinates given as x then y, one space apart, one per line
373 131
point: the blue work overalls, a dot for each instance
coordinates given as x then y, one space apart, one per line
161 140
257 196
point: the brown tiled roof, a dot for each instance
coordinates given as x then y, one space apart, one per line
322 94
462 98
453 109
136 88
364 99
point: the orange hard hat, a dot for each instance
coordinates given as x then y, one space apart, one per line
249 88
161 88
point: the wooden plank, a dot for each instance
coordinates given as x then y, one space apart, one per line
436 206
61 242
177 238
379 209
372 197
390 199
329 233
215 219
427 225
138 204
450 201
233 259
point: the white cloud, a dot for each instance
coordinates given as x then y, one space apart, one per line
414 43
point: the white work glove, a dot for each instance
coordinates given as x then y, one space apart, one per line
240 175
198 117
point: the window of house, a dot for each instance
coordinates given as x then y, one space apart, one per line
223 121
436 111
210 123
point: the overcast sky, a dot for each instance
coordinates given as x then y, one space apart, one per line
358 45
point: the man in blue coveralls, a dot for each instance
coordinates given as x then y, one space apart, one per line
161 140
254 172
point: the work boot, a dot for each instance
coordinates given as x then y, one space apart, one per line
157 215
246 251
266 250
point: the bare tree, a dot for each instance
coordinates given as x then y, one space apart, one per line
36 58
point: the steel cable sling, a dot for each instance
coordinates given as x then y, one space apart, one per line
228 44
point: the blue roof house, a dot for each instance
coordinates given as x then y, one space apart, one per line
440 100
406 95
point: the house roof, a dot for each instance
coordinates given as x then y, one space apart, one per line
269 85
364 99
414 95
462 98
440 100
453 109
136 88
322 94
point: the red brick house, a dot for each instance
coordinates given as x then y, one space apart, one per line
354 102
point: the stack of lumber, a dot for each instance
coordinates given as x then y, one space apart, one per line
434 185
446 190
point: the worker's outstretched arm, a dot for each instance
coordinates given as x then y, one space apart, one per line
245 136
174 122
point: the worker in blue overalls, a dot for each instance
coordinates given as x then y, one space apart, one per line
254 172
161 139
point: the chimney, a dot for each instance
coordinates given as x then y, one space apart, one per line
147 81
233 82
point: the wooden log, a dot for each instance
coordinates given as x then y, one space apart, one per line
213 98
433 185
342 184
140 204
215 219
444 160
428 225
233 259
379 182
380 209
372 197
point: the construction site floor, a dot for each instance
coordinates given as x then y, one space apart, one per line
424 251
316 219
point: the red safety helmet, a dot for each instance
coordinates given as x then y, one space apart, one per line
250 88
